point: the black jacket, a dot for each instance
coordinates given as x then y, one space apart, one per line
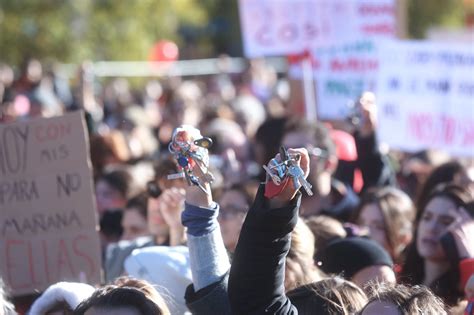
256 282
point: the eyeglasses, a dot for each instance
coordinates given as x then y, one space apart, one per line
314 151
319 152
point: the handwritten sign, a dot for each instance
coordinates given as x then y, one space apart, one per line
426 96
47 211
342 73
283 27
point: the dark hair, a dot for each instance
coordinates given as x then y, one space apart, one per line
397 210
329 296
413 270
138 203
162 168
269 135
409 300
444 173
112 296
111 224
320 134
119 179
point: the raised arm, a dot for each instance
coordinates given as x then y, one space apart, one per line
256 283
208 256
374 165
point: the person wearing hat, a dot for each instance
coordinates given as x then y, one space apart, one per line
358 259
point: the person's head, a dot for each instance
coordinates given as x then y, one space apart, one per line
127 298
113 189
301 133
401 300
107 150
111 226
438 213
357 259
268 139
329 296
61 298
450 172
325 229
227 136
300 268
134 218
146 287
389 215
234 204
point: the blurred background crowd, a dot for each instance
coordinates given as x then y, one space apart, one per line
362 189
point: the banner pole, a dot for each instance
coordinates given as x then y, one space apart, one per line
308 88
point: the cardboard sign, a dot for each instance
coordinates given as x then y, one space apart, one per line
425 96
47 211
283 27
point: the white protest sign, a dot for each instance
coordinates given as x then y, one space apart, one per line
283 27
342 73
47 210
425 96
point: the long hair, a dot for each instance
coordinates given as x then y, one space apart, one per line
444 173
398 214
329 296
408 300
413 270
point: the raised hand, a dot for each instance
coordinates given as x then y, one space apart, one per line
462 231
368 110
290 189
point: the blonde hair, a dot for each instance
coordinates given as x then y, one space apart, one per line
408 300
329 296
300 267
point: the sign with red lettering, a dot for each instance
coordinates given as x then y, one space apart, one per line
283 27
426 96
47 211
342 72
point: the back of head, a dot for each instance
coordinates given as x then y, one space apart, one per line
133 294
318 133
404 299
329 296
146 288
300 268
121 180
325 229
353 256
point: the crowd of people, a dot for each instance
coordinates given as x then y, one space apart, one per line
385 232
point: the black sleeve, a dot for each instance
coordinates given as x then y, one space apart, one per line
257 274
212 299
375 167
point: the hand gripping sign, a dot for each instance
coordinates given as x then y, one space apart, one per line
190 150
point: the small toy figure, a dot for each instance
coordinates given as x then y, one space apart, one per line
190 150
